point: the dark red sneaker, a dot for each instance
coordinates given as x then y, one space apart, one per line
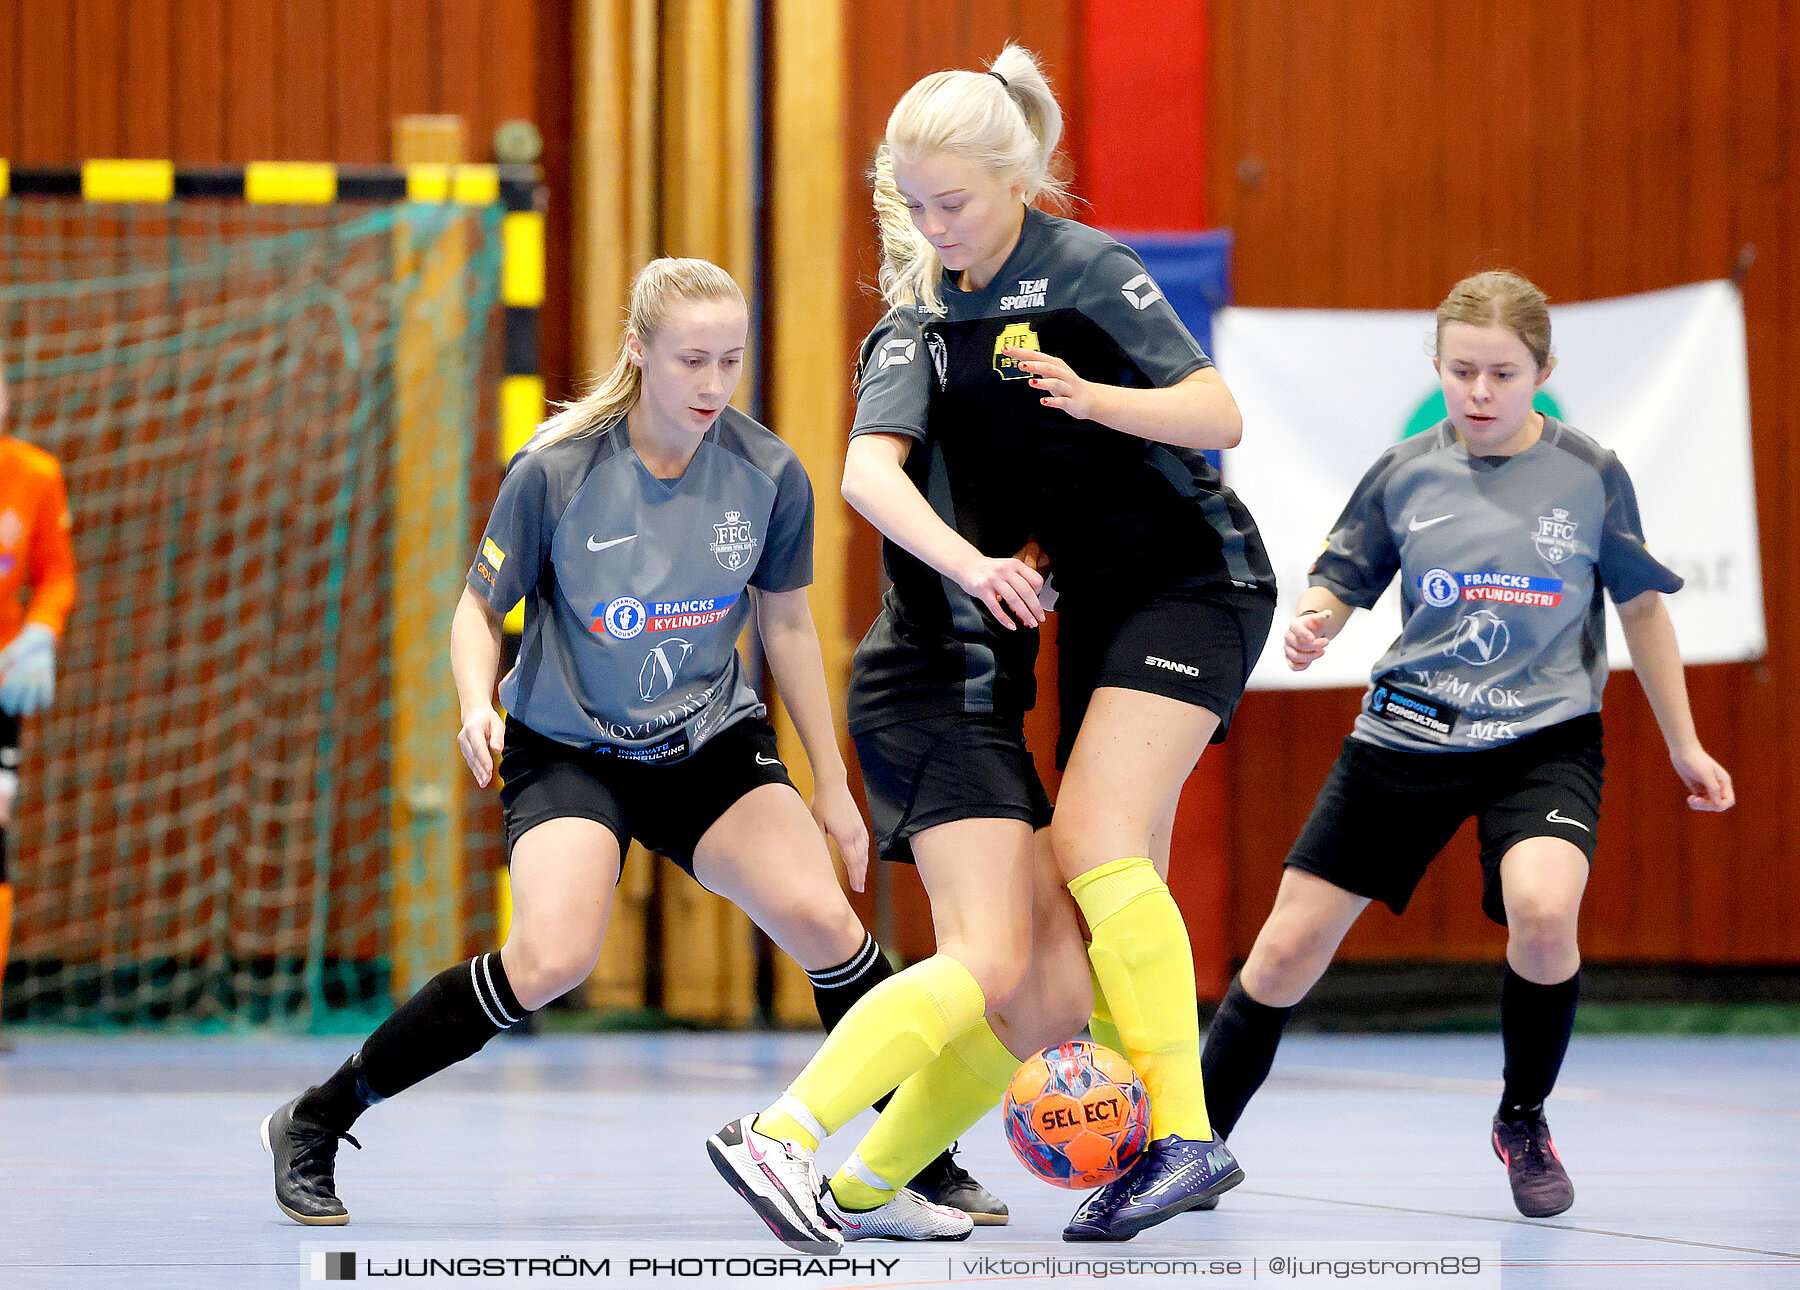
1540 1184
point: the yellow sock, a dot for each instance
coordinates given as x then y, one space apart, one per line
894 1030
1145 966
929 1111
1100 1025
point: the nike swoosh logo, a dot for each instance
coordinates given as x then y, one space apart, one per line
601 546
1556 818
1415 524
767 761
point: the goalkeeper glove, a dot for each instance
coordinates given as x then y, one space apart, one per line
28 671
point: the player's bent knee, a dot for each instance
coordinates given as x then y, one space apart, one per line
1540 917
818 928
536 980
1079 838
999 973
1541 935
1283 967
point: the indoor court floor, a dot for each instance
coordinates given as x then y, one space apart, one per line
134 1162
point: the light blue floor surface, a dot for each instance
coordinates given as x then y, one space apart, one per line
134 1162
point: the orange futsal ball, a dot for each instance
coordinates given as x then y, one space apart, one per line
1077 1115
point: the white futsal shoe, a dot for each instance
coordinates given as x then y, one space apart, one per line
779 1180
907 1217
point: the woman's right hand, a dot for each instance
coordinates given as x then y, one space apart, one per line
1008 587
1304 643
483 735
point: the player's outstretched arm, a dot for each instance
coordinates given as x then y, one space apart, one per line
1196 412
791 641
1656 656
475 666
876 484
1317 618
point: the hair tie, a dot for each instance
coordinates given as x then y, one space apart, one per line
1003 81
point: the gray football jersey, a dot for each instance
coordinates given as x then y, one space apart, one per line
636 588
1502 562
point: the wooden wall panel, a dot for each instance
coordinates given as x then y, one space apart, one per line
44 126
197 70
209 81
251 53
147 128
1416 142
98 48
304 121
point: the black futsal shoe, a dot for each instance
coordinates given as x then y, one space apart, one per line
1540 1184
944 1182
305 1167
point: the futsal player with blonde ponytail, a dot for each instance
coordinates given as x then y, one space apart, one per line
1029 378
638 526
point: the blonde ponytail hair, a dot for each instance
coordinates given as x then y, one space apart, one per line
1005 120
656 289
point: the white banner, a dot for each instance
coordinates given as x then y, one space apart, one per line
1659 378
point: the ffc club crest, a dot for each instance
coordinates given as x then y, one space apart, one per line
1555 536
733 544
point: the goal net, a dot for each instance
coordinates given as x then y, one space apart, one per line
267 418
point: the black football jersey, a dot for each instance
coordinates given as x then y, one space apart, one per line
1118 515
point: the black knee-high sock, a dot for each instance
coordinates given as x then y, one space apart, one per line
451 1017
1535 1024
836 989
1240 1048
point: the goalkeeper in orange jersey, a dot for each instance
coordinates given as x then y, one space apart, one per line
37 586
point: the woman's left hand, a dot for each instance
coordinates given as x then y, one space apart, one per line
1708 783
835 810
1057 380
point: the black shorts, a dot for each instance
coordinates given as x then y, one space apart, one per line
918 774
1195 646
9 742
666 806
1383 816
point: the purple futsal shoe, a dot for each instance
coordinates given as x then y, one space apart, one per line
1175 1174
